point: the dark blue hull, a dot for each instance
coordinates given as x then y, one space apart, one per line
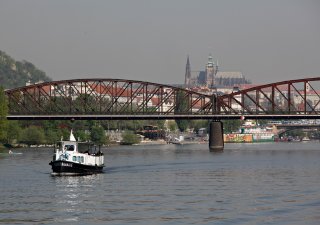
70 168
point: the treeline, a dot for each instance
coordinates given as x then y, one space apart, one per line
48 132
16 74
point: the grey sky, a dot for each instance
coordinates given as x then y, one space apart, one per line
149 40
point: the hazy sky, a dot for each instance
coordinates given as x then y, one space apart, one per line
267 40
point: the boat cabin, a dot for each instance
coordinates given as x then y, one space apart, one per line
81 147
67 146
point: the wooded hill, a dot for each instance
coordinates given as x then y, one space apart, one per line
16 74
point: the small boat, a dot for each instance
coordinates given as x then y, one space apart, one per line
305 139
10 153
76 158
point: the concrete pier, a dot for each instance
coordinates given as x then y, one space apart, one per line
216 142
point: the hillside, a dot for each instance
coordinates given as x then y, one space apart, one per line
16 74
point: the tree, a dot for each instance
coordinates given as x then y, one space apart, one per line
3 116
98 135
172 125
182 105
231 125
33 136
81 135
85 103
129 138
294 133
52 136
14 131
64 133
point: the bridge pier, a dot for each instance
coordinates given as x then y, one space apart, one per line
216 142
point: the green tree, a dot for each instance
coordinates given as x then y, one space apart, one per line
182 106
231 125
52 136
3 116
129 138
14 131
33 136
81 135
98 135
64 133
172 125
294 133
85 103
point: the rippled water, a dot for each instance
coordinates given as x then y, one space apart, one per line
271 183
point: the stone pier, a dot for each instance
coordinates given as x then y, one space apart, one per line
216 142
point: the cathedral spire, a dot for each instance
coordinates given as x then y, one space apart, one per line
187 76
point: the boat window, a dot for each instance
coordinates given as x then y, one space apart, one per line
69 147
82 159
74 158
78 158
84 147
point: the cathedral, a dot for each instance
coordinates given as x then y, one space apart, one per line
211 77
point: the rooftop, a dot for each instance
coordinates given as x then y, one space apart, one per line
229 75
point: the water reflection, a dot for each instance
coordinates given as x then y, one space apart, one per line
72 193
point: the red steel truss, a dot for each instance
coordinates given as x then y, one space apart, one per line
300 96
128 99
106 97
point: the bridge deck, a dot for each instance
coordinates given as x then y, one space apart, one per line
160 117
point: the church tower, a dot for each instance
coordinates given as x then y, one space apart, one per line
211 71
187 76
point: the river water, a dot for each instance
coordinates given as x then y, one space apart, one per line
269 183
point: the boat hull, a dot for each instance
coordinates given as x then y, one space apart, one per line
61 167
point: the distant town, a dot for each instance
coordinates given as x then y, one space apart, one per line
212 80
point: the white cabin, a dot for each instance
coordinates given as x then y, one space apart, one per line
78 152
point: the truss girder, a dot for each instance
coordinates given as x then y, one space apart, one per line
129 97
105 97
300 96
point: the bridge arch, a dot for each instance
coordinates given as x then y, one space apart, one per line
106 98
100 98
292 97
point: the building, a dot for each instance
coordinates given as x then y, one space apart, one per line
230 79
210 72
205 78
212 78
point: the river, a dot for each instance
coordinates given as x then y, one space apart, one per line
269 183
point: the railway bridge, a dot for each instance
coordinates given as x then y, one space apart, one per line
118 99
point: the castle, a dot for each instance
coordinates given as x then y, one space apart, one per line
212 78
